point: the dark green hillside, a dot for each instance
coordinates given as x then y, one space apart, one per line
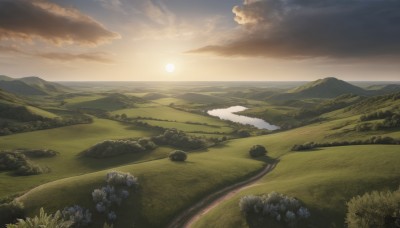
384 89
5 78
5 96
110 102
154 96
322 88
44 85
20 88
201 98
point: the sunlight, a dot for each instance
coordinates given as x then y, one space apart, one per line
170 68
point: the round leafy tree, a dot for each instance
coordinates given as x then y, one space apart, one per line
257 151
177 155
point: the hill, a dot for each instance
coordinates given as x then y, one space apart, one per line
384 89
154 96
201 98
44 85
322 88
30 86
110 102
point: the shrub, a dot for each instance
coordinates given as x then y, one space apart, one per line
11 160
42 153
179 139
43 220
111 148
115 178
177 155
77 215
375 209
257 151
114 193
10 212
243 133
275 206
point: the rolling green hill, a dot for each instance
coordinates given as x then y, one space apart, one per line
30 86
201 98
109 102
322 88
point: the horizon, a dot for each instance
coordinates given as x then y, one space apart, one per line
248 40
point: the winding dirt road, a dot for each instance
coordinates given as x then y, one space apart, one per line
195 212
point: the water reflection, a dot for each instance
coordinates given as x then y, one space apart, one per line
229 114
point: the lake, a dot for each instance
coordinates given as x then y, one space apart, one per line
229 114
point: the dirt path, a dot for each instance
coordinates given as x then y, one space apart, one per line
195 212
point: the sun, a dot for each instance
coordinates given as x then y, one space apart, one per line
170 68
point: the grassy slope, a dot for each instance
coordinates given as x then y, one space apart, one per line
323 180
167 113
41 112
165 187
189 127
69 141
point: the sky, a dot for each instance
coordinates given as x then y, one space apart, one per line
206 40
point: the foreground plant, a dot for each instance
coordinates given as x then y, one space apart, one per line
43 220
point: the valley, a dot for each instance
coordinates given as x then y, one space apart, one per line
331 141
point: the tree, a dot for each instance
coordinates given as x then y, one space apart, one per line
375 209
177 155
257 151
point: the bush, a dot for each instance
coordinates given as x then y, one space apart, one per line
275 206
10 212
115 178
243 133
43 220
111 148
257 151
114 193
375 209
11 160
42 153
177 155
179 139
77 215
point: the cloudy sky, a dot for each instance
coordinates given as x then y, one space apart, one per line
206 40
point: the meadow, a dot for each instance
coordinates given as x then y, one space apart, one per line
323 179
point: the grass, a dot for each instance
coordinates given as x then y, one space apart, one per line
41 112
69 142
166 187
189 127
324 180
167 113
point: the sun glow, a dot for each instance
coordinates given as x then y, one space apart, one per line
170 68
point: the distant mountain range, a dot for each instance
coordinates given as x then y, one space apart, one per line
29 86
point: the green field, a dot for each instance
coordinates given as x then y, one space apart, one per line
324 180
167 113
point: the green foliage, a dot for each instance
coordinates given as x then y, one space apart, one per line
376 115
11 127
179 139
372 140
375 209
12 160
177 155
111 148
274 206
43 220
11 211
257 151
243 133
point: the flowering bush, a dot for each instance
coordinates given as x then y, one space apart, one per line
77 215
276 206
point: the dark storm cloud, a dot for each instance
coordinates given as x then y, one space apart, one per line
314 28
29 19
